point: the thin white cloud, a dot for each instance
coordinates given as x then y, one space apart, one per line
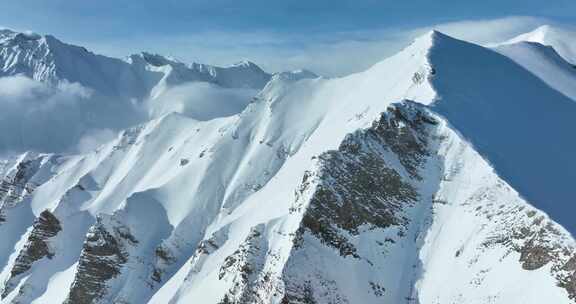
489 30
200 100
332 54
53 118
94 138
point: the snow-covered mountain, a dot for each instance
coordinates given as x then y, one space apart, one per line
68 94
544 62
47 59
440 175
561 39
549 53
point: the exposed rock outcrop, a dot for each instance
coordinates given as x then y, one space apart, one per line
37 247
357 187
18 183
103 255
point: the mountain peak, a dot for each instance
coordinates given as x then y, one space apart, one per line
544 28
561 39
7 33
538 35
430 39
436 35
295 75
156 59
245 64
13 37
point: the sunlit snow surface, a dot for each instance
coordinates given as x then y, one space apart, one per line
216 175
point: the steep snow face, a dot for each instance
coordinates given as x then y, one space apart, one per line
561 39
485 241
544 62
200 172
509 114
319 191
367 224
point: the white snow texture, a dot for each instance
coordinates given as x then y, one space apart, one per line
443 174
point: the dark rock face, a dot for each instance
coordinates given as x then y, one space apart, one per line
244 269
538 241
306 296
15 186
365 185
46 226
239 260
103 255
539 249
533 256
567 278
207 247
358 188
163 257
403 130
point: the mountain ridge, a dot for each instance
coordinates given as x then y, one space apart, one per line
385 179
558 38
78 99
48 59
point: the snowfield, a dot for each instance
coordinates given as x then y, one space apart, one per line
442 174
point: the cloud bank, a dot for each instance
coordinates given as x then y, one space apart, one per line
69 118
63 118
200 101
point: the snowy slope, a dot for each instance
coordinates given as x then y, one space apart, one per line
404 183
561 39
544 62
509 114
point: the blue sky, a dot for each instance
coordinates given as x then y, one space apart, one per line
304 33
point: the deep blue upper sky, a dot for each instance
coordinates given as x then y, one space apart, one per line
117 27
121 17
